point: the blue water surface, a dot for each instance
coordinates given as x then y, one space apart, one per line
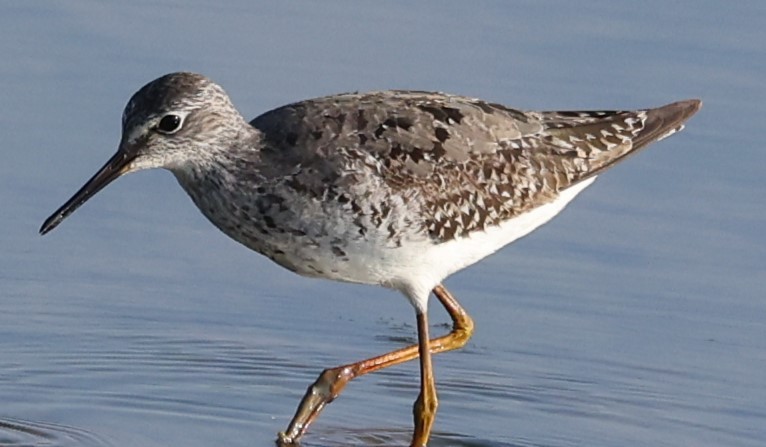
636 318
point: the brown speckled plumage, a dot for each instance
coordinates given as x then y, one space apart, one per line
470 164
326 186
394 188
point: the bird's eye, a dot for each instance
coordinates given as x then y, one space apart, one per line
169 124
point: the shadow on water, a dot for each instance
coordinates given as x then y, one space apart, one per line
17 433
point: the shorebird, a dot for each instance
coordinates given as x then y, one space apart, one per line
392 188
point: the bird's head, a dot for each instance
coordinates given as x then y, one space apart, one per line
174 120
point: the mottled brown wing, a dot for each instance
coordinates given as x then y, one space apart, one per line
469 163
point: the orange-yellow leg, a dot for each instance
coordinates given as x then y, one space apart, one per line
424 410
331 381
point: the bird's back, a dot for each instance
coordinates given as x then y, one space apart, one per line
467 164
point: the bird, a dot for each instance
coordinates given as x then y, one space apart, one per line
395 188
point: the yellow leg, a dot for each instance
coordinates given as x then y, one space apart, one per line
424 410
332 381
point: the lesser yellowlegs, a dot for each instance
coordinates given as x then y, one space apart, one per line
393 188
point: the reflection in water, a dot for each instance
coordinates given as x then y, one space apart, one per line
393 437
17 433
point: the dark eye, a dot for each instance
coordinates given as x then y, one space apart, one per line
169 124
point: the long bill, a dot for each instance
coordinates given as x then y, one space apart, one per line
118 165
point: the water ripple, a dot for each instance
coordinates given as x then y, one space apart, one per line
17 433
389 437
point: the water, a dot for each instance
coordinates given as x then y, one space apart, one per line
636 318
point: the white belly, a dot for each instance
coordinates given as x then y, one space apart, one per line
332 246
419 268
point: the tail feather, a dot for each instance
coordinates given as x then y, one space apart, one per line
609 137
666 120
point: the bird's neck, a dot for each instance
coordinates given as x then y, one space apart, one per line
223 169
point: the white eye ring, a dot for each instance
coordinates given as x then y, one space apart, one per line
170 123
